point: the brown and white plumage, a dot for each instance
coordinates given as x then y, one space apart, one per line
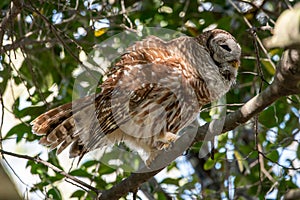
156 89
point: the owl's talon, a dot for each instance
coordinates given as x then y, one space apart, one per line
167 141
151 158
165 146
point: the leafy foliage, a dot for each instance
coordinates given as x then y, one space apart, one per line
50 38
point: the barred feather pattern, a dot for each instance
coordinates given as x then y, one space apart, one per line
156 89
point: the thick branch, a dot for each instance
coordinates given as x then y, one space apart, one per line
286 82
129 184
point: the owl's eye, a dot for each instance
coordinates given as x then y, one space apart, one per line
226 47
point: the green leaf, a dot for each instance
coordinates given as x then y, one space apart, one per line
267 117
239 160
81 173
4 4
19 130
161 196
54 193
53 159
104 169
219 156
5 75
171 181
268 66
79 194
55 178
209 164
298 152
242 163
171 166
274 156
32 111
89 163
39 186
37 168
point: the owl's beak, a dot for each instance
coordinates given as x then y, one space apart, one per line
235 63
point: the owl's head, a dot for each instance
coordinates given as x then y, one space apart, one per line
224 50
223 47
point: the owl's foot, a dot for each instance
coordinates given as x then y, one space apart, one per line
163 143
167 141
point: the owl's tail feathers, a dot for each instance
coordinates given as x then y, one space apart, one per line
59 126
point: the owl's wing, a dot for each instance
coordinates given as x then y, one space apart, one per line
59 128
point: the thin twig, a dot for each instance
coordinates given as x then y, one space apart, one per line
14 172
19 178
256 37
259 158
19 75
75 184
25 41
54 168
259 7
158 188
258 64
14 11
125 14
288 4
33 77
222 105
63 42
2 119
277 163
250 3
73 16
254 58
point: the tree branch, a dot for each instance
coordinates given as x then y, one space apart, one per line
129 184
54 168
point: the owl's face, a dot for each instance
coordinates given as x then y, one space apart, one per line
226 53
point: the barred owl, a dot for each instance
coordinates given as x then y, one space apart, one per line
154 90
